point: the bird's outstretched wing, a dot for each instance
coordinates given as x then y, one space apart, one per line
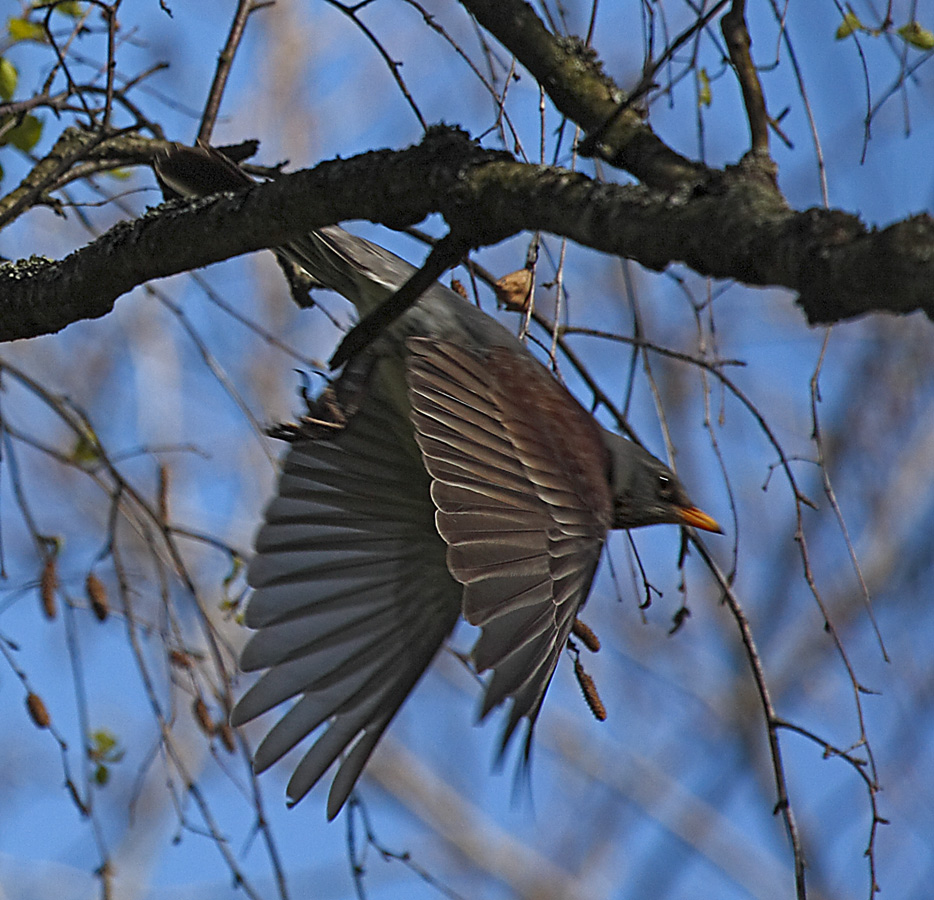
519 476
352 596
359 575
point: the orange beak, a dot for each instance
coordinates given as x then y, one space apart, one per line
691 515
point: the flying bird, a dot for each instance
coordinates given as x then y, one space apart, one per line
450 475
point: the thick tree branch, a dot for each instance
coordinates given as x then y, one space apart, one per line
734 226
575 82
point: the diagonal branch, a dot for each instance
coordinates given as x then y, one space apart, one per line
445 254
575 82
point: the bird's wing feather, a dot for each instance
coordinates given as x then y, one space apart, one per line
520 481
352 596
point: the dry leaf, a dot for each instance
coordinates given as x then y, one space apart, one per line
514 291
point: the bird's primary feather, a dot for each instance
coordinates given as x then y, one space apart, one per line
524 533
352 597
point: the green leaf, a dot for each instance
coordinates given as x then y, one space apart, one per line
8 79
849 24
26 135
705 95
103 742
104 747
85 451
24 30
919 37
70 8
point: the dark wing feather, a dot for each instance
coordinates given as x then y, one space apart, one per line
520 481
352 596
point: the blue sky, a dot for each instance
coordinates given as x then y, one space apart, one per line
672 796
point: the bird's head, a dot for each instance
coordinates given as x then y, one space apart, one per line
646 492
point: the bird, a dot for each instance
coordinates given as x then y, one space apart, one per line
445 474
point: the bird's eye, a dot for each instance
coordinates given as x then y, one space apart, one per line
666 489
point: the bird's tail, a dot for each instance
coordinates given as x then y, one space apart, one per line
359 270
355 268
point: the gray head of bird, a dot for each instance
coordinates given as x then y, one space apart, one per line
646 492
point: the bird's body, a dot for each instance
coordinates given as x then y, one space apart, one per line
467 481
